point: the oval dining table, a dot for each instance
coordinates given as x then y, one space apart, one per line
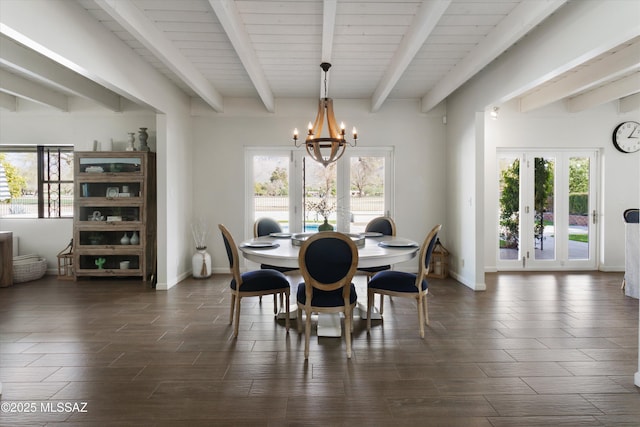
279 250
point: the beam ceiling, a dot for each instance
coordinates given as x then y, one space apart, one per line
269 49
138 25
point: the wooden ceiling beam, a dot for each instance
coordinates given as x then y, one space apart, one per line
328 29
421 27
138 25
27 61
620 88
519 22
613 66
8 102
23 88
629 103
229 17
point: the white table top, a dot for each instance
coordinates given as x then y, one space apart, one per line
286 254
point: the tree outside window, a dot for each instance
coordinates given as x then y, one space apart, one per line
40 181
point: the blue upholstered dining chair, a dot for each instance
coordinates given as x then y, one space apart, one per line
630 216
328 261
263 227
386 226
251 283
406 285
266 226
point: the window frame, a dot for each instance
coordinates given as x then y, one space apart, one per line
48 180
295 182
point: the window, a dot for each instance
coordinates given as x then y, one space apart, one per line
270 181
547 209
38 181
285 185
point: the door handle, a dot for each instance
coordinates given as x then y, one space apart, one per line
594 216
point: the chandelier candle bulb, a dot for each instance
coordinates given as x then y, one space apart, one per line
355 133
295 134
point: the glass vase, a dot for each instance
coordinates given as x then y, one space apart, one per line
325 226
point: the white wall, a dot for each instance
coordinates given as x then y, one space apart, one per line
464 201
175 197
219 159
553 127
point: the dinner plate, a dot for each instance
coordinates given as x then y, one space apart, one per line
398 243
280 235
372 234
260 245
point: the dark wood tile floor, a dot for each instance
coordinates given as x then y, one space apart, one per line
548 349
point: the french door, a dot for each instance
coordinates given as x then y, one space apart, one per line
289 186
547 217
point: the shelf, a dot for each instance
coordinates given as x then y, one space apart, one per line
126 189
96 164
114 195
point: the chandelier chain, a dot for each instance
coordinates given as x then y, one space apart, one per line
326 94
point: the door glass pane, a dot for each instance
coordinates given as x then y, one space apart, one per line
366 188
579 175
271 188
320 201
509 207
544 208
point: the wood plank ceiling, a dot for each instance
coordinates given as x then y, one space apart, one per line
268 49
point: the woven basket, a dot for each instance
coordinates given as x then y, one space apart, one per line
28 267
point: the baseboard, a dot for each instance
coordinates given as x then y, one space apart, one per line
611 269
473 286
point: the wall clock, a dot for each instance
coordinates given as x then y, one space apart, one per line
626 137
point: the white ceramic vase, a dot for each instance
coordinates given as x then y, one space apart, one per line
125 240
131 140
201 264
134 240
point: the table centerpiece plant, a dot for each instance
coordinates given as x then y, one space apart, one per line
323 208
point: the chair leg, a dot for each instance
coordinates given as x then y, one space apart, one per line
237 325
286 319
369 276
351 319
370 297
420 316
347 329
275 303
307 333
624 283
426 310
299 320
233 306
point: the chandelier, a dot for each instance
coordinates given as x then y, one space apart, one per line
329 149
